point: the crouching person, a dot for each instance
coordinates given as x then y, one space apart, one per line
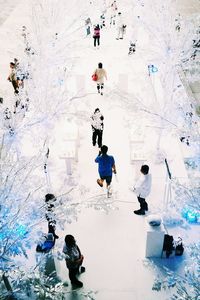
74 260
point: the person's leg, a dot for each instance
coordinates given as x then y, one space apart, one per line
52 228
142 204
100 133
108 180
100 181
72 276
15 86
98 87
95 40
102 87
108 183
94 137
98 40
114 19
140 211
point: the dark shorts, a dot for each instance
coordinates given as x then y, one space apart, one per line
108 179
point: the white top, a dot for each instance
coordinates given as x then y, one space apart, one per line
143 186
97 120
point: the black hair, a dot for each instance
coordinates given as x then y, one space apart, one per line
144 169
70 240
49 197
96 110
12 64
100 65
104 149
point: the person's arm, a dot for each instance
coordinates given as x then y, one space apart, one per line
113 166
105 74
114 169
97 158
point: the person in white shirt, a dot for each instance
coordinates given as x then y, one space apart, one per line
142 189
120 27
97 127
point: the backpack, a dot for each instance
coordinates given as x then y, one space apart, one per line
47 245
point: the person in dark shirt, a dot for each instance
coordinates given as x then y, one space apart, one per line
74 260
106 166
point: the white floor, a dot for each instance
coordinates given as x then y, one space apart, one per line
112 242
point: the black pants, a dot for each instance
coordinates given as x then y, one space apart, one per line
96 40
51 226
73 272
15 86
100 86
97 136
143 204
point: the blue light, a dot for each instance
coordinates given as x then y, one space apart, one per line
184 212
21 230
191 215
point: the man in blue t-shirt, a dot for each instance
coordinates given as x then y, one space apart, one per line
106 166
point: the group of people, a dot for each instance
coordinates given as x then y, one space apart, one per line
73 256
106 163
116 20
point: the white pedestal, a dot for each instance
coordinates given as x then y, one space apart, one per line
154 240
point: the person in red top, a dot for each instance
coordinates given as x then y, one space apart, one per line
96 35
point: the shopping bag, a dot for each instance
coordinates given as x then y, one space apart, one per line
94 77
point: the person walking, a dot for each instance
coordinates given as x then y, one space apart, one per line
96 36
106 165
142 189
113 8
74 260
120 27
13 78
101 74
88 25
97 127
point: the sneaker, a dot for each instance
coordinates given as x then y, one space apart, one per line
101 94
121 38
117 39
139 212
109 191
99 182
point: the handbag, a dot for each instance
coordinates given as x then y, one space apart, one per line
179 249
94 77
